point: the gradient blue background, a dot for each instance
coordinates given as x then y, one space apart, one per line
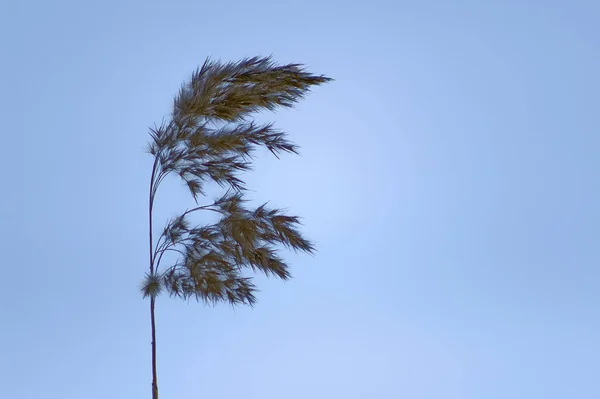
450 177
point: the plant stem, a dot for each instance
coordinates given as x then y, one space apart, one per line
152 321
154 379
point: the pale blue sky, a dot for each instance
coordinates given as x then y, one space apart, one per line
449 177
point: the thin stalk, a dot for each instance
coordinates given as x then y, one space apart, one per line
152 320
154 378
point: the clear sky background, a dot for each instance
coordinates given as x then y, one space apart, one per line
449 176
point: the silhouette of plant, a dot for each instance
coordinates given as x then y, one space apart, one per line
211 138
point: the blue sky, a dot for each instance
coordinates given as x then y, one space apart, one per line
449 177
